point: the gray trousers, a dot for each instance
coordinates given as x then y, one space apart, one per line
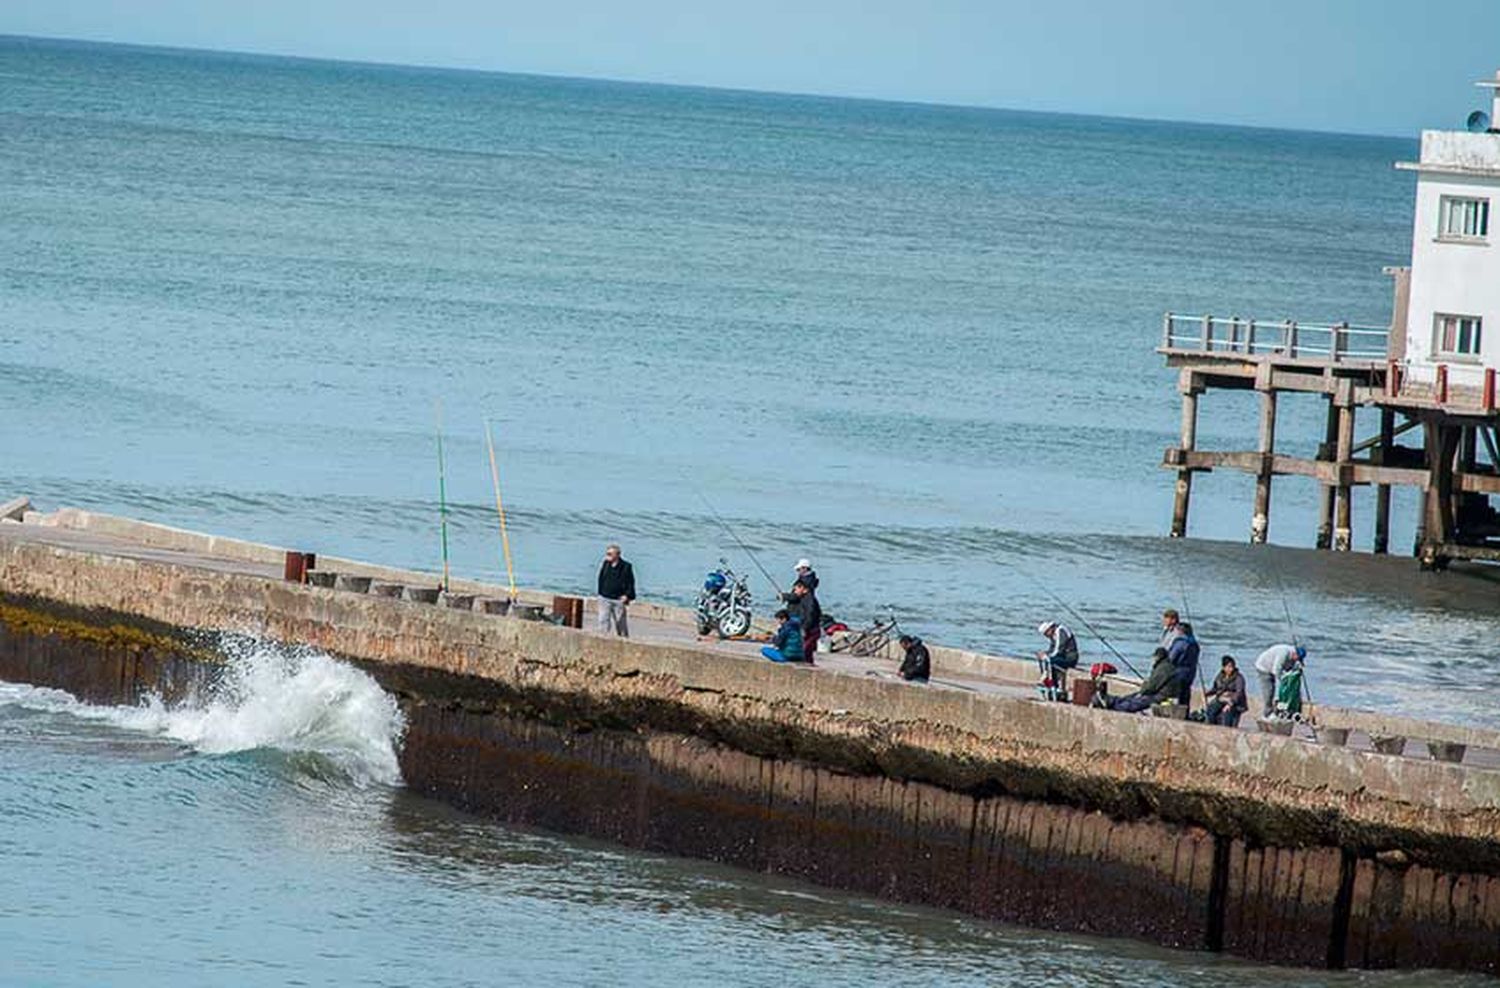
1267 690
612 620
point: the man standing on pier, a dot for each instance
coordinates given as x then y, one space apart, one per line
616 591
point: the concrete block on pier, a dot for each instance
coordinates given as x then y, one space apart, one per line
380 588
457 601
1446 751
1336 736
323 578
15 509
491 605
422 595
1388 744
353 583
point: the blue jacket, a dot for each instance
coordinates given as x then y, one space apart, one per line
1183 652
789 638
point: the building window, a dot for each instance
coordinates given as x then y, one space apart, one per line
1463 218
1457 336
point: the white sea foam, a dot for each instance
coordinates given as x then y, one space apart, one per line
298 701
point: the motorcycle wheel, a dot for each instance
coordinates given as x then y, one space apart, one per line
704 624
734 624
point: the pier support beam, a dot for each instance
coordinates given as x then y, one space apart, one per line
1343 529
1442 442
1383 491
1260 518
1191 388
1325 493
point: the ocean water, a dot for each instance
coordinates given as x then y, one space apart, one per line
913 343
254 839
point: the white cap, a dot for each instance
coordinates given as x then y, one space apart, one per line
803 564
1045 628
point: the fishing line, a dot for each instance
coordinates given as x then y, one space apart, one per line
1291 628
1080 619
738 541
442 493
1187 612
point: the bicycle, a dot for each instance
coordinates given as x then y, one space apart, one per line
872 640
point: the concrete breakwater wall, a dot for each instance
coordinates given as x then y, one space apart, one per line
1039 814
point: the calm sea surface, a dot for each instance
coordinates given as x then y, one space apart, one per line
913 343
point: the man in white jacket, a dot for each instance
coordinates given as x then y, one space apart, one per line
1269 666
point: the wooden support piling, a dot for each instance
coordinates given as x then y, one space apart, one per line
1325 492
1190 388
1344 493
1383 491
1260 518
1442 441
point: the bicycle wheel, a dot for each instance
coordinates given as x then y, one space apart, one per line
846 642
870 644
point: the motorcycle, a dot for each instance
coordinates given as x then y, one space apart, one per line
724 603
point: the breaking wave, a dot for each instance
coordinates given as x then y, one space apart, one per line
297 702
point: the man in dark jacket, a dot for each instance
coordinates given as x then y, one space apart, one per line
1228 693
916 667
1182 649
1160 685
616 591
804 604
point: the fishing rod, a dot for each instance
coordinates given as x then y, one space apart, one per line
1291 628
442 493
738 541
1187 612
510 571
1083 621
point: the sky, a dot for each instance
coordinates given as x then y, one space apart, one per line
1359 66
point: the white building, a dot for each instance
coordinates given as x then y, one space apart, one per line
1452 316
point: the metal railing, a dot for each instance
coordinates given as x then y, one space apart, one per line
1285 338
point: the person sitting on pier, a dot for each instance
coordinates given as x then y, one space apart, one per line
803 603
1228 692
1061 653
1270 666
1160 685
1183 650
787 645
916 667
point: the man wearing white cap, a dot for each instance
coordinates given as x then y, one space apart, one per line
805 574
1062 650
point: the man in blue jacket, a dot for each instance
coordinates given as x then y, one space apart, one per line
1182 650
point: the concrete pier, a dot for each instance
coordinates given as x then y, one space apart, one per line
978 798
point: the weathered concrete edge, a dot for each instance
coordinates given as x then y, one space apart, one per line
947 661
1367 789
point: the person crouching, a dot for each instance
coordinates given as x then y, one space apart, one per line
787 645
916 667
